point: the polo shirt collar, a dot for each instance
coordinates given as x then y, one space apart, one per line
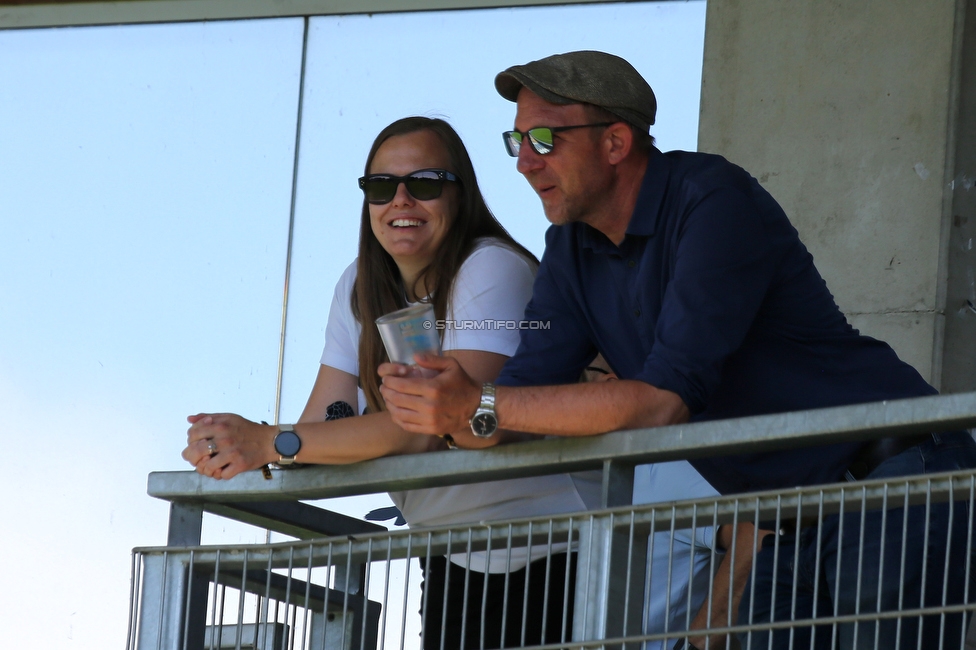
643 222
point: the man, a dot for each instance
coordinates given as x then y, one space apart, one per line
690 280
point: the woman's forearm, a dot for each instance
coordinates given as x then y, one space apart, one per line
223 445
350 440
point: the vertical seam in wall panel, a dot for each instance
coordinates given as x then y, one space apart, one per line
955 77
291 225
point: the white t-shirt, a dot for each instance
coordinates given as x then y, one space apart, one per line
490 293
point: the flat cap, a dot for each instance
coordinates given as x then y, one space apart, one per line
585 77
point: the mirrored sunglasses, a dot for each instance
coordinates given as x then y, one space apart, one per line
423 185
540 137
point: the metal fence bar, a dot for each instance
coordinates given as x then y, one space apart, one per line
566 584
525 590
135 568
613 548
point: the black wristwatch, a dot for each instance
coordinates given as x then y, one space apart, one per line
484 422
287 444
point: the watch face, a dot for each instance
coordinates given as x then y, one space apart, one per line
287 443
483 425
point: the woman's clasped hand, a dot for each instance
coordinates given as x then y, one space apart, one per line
222 445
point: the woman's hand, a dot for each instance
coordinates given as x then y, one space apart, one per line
436 406
222 445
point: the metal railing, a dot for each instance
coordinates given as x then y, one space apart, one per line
349 584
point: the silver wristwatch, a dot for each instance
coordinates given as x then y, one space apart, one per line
484 422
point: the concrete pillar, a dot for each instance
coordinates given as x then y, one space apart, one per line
845 110
959 361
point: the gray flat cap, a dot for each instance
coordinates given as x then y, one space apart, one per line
585 77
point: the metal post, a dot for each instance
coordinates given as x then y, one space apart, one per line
612 563
618 483
164 584
185 524
185 528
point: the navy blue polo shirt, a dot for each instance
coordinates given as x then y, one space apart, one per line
711 295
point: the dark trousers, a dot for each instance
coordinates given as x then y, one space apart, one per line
888 563
463 624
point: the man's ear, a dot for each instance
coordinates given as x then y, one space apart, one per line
618 139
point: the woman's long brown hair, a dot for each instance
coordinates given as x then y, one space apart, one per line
379 289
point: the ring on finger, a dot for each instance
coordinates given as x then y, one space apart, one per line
211 446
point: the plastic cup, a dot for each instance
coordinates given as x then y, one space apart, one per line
410 331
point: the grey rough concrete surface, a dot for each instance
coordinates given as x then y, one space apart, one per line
959 363
843 109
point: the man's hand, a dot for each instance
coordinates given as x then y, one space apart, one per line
437 406
222 445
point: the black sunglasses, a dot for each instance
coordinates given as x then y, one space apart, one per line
423 185
540 137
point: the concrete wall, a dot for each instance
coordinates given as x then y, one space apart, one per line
842 110
959 363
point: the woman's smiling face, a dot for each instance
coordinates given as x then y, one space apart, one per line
409 229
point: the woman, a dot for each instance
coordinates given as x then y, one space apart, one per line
426 235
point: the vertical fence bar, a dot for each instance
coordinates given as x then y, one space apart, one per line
425 597
667 588
796 567
467 590
969 557
860 563
484 590
364 592
134 584
752 571
508 571
881 563
630 572
406 587
945 573
925 558
525 593
568 588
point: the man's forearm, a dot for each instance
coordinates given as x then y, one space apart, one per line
722 609
587 409
445 403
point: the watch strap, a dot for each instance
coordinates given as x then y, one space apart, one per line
487 397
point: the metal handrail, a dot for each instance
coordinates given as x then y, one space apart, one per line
767 506
552 456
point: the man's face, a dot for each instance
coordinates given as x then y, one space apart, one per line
573 178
